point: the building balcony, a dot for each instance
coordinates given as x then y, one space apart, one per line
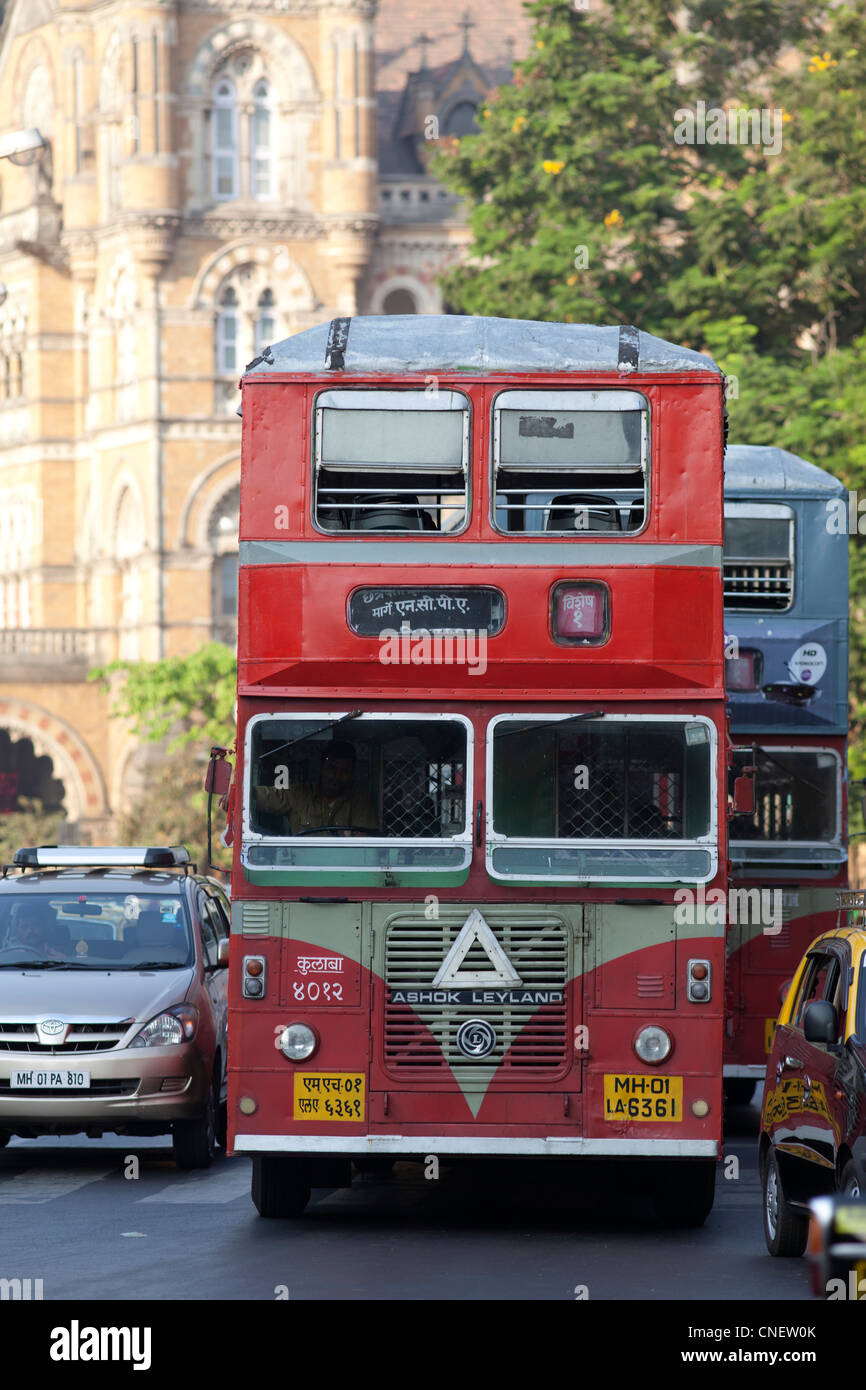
43 654
415 200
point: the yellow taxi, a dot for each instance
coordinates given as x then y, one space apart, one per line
813 1123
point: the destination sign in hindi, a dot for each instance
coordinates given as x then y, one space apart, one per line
431 609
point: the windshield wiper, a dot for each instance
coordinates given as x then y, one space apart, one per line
151 965
43 965
554 723
789 771
344 719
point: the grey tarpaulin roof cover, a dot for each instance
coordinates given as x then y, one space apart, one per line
764 468
453 342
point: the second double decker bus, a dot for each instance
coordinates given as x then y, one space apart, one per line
786 604
481 747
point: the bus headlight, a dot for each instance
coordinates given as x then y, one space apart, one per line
298 1042
653 1045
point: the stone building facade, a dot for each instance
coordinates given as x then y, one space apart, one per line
211 176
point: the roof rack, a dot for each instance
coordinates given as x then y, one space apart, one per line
103 857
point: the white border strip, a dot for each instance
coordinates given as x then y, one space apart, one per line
454 1144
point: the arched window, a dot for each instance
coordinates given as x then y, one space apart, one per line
266 322
224 146
461 120
223 541
399 302
261 143
227 333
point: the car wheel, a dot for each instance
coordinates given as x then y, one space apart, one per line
785 1230
684 1194
280 1187
222 1125
849 1182
739 1090
194 1141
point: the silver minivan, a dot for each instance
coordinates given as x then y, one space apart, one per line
113 996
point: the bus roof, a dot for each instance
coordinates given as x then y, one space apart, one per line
457 343
764 468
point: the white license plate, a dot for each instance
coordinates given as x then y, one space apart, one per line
45 1079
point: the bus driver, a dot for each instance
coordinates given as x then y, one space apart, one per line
331 801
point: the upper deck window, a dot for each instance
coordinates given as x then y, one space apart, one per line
391 461
570 462
759 556
797 795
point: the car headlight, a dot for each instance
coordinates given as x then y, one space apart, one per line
177 1025
298 1042
653 1044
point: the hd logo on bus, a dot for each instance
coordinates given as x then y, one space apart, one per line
452 984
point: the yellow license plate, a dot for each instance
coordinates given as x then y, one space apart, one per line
329 1095
769 1034
643 1097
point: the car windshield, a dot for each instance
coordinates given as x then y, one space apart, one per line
94 930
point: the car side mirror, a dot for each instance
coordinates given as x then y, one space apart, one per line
744 796
820 1022
223 947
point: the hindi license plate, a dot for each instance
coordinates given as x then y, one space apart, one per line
49 1080
644 1097
329 1096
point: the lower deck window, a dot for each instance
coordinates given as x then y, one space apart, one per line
400 782
635 795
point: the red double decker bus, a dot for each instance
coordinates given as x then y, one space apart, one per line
481 746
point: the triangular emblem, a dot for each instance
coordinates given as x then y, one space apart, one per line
476 929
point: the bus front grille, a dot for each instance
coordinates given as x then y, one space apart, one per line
528 1036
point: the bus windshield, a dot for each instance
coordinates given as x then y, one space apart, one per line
796 796
618 799
388 778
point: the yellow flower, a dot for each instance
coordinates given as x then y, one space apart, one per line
786 117
486 112
519 122
553 166
539 43
614 218
572 280
820 64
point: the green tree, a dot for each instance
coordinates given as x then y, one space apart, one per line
186 705
31 825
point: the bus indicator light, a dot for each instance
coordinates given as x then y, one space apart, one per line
580 614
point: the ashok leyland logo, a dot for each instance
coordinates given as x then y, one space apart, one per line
476 929
475 1038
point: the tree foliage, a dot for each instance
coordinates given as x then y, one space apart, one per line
583 207
184 699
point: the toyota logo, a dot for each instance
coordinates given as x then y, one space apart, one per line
476 1038
51 1027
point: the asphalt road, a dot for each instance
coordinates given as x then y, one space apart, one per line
70 1216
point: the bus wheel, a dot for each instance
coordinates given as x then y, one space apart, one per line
739 1090
280 1187
684 1196
785 1230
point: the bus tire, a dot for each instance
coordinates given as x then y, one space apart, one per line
785 1229
685 1194
739 1090
280 1187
